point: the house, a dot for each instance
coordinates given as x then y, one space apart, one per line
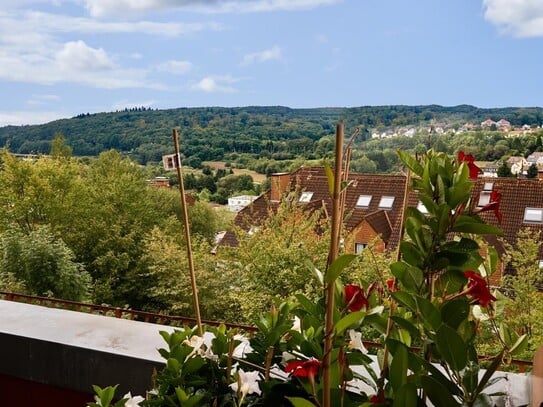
535 158
488 123
237 203
503 125
518 165
159 182
374 206
521 205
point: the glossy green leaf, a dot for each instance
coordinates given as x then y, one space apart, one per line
353 318
398 368
452 347
455 311
405 299
429 312
406 396
437 393
411 163
467 224
489 372
411 254
338 266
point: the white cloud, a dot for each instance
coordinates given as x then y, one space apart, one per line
271 54
19 118
36 100
520 18
99 8
175 67
214 84
78 56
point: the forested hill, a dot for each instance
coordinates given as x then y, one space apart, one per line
210 133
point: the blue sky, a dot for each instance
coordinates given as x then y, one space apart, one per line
59 58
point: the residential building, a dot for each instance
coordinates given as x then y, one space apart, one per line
237 203
374 206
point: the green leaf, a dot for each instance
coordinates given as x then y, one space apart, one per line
452 347
406 396
411 163
490 372
398 368
467 224
429 312
315 271
437 393
520 345
411 254
405 299
348 321
455 311
338 266
300 402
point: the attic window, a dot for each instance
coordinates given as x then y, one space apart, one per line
422 209
386 202
533 215
484 199
363 201
488 186
305 197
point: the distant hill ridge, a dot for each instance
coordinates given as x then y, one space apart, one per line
210 133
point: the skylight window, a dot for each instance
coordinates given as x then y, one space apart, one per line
533 215
488 186
484 199
306 196
386 202
363 201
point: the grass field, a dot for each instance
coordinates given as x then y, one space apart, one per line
220 164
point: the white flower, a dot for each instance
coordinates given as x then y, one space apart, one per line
297 325
132 401
247 383
195 342
356 341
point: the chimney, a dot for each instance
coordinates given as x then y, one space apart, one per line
279 185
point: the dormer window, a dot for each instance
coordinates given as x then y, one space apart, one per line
488 186
305 197
363 201
533 215
422 209
386 202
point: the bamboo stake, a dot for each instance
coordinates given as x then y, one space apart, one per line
187 233
334 248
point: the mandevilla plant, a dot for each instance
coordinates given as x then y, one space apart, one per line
425 316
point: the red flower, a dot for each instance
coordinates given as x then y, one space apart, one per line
309 368
494 205
354 297
474 171
478 288
392 285
378 398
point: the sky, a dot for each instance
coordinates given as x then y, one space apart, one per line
60 58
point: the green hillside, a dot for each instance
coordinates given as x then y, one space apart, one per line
215 133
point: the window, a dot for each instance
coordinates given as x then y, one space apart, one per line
533 215
358 247
488 186
540 264
306 196
484 199
386 202
422 209
363 201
